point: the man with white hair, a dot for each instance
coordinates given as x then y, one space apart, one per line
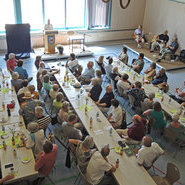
98 166
11 62
88 74
95 90
16 82
105 102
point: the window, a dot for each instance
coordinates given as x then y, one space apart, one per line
6 13
54 10
99 13
32 13
75 12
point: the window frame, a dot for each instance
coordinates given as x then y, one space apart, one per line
18 18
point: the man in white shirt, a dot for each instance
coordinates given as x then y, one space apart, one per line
48 26
149 152
72 62
123 85
97 167
115 117
24 88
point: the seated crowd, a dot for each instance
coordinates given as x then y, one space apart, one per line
94 164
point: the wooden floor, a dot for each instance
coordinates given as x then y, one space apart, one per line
166 64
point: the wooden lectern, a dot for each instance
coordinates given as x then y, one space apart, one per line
49 41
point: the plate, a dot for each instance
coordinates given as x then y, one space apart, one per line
26 160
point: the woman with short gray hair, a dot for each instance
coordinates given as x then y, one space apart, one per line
16 82
42 120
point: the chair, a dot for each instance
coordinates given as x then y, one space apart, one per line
81 176
172 176
172 137
121 92
124 123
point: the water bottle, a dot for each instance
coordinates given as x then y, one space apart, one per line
110 131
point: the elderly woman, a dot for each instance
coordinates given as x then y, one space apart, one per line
72 62
16 82
34 93
57 103
46 84
115 76
150 72
157 115
41 119
63 113
11 62
124 56
36 138
148 102
98 76
139 36
83 151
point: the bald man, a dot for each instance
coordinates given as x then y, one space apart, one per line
148 153
88 74
97 167
105 102
135 133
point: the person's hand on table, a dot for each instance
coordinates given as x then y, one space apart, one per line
8 177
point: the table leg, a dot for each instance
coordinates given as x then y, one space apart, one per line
83 44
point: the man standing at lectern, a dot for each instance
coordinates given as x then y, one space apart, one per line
48 26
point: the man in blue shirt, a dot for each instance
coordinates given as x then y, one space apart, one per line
172 48
21 71
88 74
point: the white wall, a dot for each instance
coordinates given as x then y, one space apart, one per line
123 21
165 14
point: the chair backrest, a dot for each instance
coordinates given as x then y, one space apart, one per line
124 123
170 134
173 173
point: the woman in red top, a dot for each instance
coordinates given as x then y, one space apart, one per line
11 62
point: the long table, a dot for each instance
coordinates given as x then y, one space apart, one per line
21 170
169 105
129 172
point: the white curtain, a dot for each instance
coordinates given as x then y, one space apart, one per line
99 13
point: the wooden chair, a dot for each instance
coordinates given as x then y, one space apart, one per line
172 176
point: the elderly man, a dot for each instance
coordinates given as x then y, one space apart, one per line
134 134
138 64
24 88
72 62
98 166
68 129
179 94
115 76
148 153
105 102
27 109
161 78
136 95
172 48
161 41
16 82
83 151
21 71
46 159
88 74
115 117
95 90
